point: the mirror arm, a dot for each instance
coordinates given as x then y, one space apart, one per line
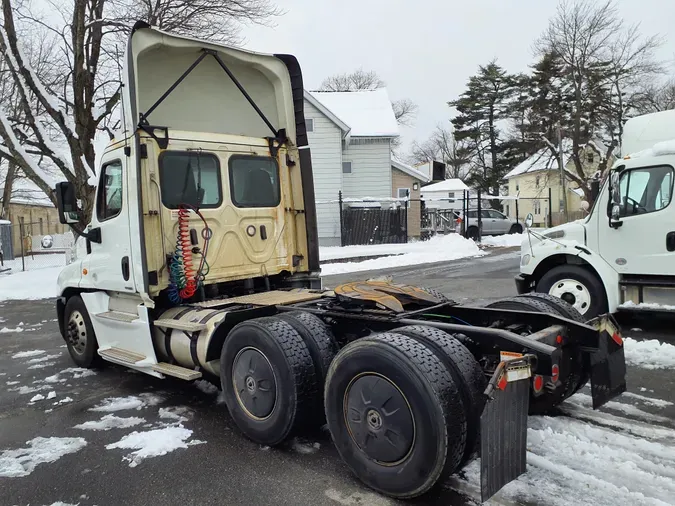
94 235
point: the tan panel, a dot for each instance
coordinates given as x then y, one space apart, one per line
272 298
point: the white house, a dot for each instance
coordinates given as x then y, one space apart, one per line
350 136
446 194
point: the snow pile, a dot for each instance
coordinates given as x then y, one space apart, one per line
29 285
78 372
649 354
647 306
153 443
38 397
25 354
175 414
503 241
43 359
659 403
437 249
41 450
112 404
5 330
110 422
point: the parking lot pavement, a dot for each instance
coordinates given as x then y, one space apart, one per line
112 437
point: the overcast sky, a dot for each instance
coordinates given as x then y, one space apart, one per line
426 50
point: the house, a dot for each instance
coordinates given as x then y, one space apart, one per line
350 136
406 182
531 179
446 194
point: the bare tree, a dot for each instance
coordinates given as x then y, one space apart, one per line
359 80
443 147
405 111
65 75
655 97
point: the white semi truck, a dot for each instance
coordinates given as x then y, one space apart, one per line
201 261
622 256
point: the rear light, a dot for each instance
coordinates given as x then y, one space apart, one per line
538 383
559 339
617 338
555 373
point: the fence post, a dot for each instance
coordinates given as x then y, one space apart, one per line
550 208
480 218
23 258
405 217
517 213
342 228
465 213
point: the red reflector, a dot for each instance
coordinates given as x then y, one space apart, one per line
555 373
558 339
617 338
538 383
501 384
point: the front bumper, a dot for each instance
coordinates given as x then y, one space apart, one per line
523 283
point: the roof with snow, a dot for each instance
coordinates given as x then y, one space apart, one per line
449 185
541 160
24 191
366 113
397 164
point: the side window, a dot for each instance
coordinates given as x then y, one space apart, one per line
109 202
485 214
645 190
254 181
472 214
190 177
496 214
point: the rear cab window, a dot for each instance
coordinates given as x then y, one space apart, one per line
254 181
190 177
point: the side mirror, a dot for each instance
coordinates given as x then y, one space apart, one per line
529 220
615 200
66 203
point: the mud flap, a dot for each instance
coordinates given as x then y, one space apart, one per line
608 363
503 428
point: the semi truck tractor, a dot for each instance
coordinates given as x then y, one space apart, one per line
200 260
621 257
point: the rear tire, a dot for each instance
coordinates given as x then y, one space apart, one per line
395 414
582 283
558 306
79 334
268 379
466 373
322 347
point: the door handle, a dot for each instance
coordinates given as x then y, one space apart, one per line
670 241
125 268
263 232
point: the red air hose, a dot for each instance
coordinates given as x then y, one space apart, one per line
186 249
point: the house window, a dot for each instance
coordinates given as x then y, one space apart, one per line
346 167
403 193
590 157
537 207
517 187
451 197
536 182
309 124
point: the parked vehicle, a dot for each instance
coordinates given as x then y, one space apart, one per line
492 222
201 260
622 256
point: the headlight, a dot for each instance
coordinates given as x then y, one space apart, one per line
525 260
556 234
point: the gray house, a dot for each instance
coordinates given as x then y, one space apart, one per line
350 136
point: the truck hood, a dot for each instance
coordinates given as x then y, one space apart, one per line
566 234
208 99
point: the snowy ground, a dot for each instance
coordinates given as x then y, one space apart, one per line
504 241
29 285
111 437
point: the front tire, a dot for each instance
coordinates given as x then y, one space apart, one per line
472 233
395 414
79 334
577 286
516 228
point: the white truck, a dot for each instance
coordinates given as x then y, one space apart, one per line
201 261
622 256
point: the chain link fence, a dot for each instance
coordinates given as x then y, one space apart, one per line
28 246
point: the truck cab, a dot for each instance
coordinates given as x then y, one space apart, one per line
622 256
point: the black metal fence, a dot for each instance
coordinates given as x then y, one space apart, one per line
373 221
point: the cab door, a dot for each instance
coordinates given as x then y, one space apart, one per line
108 265
644 240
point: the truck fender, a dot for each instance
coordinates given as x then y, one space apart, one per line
607 276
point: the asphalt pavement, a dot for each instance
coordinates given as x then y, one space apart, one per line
216 465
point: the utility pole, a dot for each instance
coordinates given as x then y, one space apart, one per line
561 165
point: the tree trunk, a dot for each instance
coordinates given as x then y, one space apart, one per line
7 191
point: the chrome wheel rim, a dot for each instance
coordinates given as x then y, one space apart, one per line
573 292
76 332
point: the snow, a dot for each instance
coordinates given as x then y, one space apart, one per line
51 395
436 249
38 397
5 330
65 400
503 241
43 359
112 404
30 353
647 306
78 372
663 148
175 414
29 285
649 354
40 450
153 443
111 422
448 185
367 113
659 403
541 160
